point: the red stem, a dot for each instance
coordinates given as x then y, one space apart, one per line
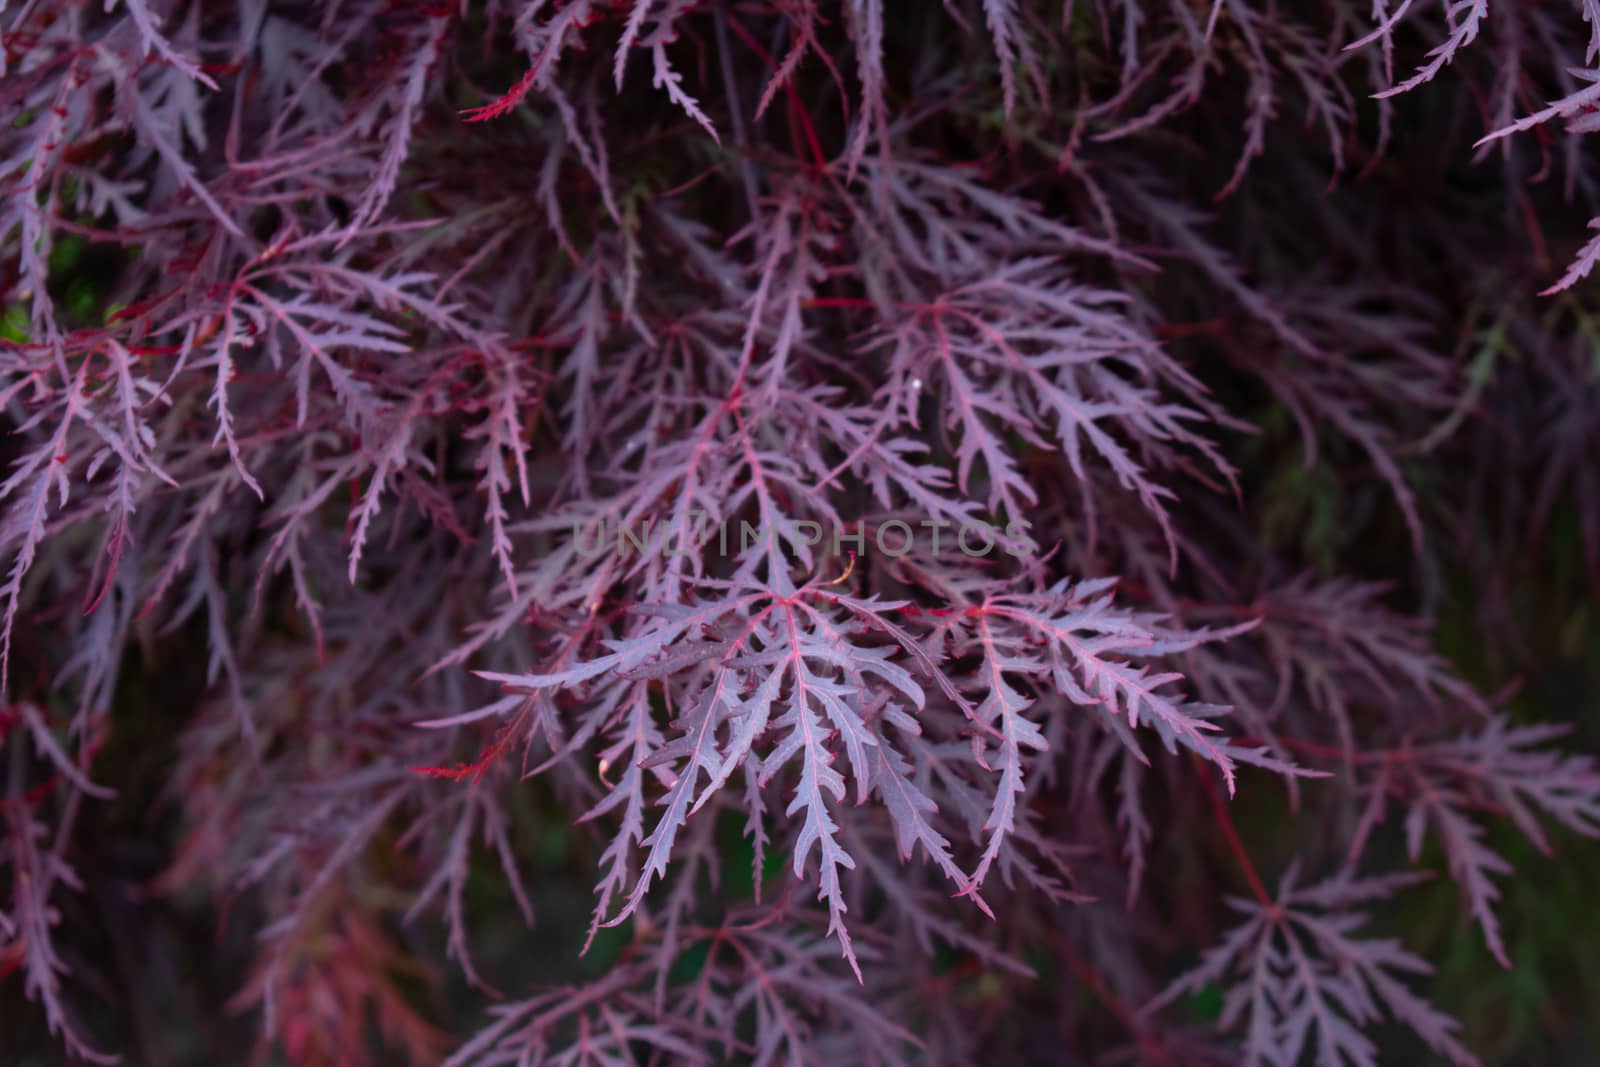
1150 1047
1234 842
797 110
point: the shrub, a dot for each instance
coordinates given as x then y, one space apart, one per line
936 513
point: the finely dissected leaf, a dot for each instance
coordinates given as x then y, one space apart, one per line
1300 982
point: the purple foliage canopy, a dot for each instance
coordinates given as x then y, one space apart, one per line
986 316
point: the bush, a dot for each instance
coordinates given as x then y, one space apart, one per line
937 514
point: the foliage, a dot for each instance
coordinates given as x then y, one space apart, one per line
890 488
